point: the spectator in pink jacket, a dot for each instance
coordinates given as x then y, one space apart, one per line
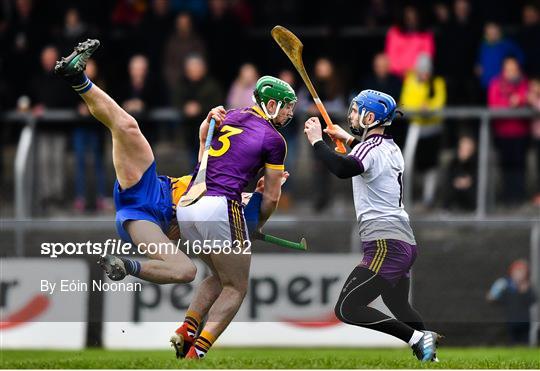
509 90
406 41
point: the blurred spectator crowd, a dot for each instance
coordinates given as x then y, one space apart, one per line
195 54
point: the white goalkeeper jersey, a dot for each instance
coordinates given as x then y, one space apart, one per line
378 191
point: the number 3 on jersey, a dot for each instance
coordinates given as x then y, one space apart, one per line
226 133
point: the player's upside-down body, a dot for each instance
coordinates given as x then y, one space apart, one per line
248 141
376 168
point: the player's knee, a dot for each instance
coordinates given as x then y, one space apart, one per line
394 304
128 125
348 308
237 289
190 272
185 274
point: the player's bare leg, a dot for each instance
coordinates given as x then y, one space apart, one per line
166 265
233 272
207 293
132 156
208 290
132 153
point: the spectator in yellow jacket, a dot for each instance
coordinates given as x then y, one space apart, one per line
422 91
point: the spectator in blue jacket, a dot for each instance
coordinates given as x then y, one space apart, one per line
494 49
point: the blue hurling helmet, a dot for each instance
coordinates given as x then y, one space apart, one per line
383 106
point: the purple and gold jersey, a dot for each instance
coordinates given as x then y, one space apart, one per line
246 142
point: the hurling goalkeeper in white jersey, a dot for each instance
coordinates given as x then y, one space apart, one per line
376 167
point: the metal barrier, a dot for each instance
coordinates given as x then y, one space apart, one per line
484 115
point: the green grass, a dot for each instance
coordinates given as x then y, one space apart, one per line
252 358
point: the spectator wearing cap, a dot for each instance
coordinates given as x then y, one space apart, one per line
422 91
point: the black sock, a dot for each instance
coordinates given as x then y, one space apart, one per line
133 267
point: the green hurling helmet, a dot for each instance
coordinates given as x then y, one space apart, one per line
269 87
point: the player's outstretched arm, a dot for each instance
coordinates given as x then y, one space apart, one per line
272 191
218 113
341 166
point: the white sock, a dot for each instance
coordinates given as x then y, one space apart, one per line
415 338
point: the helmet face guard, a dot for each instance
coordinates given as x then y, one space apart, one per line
290 106
271 88
356 119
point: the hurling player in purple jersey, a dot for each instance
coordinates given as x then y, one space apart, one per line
245 142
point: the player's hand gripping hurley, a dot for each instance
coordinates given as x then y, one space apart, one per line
292 47
198 188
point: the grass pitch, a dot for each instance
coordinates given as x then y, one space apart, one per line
257 358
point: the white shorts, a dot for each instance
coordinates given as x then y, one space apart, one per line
213 218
